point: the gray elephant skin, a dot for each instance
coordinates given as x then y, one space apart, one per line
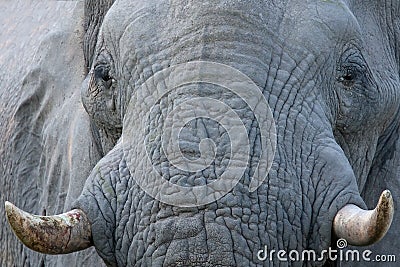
70 76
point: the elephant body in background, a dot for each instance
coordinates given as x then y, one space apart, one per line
46 138
329 71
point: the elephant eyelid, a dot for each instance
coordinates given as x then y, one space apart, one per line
348 76
101 77
103 72
102 68
351 68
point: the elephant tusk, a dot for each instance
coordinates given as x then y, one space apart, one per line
364 227
58 234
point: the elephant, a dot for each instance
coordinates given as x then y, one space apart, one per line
297 101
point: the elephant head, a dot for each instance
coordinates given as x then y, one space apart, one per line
329 72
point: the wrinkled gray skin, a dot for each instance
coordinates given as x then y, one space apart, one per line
328 69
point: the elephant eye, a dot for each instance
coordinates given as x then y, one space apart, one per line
352 68
348 78
102 74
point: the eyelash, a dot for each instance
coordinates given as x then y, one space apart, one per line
348 76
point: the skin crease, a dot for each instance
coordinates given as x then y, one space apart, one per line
330 73
332 106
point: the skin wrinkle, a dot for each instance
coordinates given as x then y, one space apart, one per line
300 150
315 196
94 14
303 174
204 223
389 29
94 194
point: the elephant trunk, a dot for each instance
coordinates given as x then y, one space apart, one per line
364 227
58 234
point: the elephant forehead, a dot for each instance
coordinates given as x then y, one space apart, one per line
320 25
134 25
173 20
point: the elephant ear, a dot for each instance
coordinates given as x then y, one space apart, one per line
385 171
95 11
